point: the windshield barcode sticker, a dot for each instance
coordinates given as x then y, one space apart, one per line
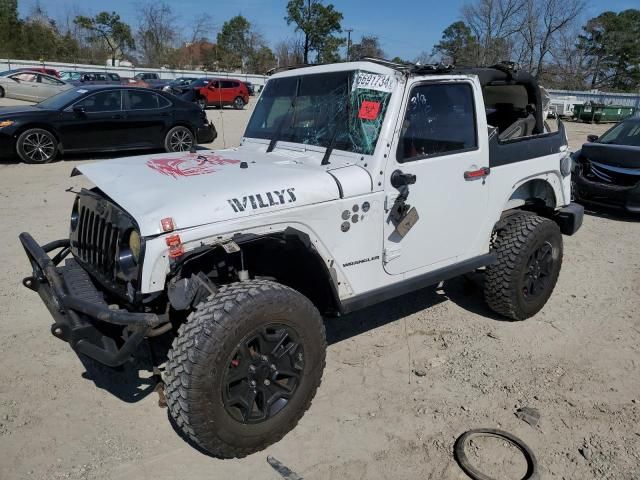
374 81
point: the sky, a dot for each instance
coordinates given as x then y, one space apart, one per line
405 28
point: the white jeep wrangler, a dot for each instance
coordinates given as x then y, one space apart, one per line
354 183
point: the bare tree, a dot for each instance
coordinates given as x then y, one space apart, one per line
157 32
555 16
289 52
494 23
568 66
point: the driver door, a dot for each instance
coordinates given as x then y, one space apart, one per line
97 122
439 144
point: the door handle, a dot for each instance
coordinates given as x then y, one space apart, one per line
399 179
480 173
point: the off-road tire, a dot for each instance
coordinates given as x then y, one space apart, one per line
238 103
517 238
202 352
28 138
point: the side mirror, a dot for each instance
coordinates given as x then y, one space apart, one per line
592 138
79 110
399 179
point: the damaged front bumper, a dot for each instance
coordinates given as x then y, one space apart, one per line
206 133
625 197
81 316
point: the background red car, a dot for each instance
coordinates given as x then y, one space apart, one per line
219 92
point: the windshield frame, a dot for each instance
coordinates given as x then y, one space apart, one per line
360 133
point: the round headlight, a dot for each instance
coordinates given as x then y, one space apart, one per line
565 165
134 245
75 216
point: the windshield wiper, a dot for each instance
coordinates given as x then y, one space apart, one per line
292 107
334 135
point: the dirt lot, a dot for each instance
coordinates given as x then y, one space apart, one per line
577 362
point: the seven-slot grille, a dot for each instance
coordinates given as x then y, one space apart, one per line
97 242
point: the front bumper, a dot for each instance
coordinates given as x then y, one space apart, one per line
607 194
7 145
207 133
569 218
80 314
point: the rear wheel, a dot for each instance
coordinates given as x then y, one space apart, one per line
37 145
529 250
179 139
1 92
238 103
245 367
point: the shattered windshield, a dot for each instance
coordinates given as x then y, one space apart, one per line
340 109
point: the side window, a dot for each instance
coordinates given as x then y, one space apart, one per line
215 84
227 84
440 119
163 102
49 81
101 76
141 100
108 101
114 77
26 77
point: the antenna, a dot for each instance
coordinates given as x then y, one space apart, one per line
348 30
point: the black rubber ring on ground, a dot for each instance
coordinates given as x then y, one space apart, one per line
461 457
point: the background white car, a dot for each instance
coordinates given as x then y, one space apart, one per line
31 86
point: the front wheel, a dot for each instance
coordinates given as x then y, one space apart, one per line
1 92
37 145
178 139
238 103
244 367
529 250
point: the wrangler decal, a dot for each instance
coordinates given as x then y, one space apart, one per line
263 200
358 262
189 165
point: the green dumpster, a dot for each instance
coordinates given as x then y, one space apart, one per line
601 113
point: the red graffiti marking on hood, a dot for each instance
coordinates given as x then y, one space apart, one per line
190 165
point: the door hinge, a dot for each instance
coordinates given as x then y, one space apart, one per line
391 253
390 200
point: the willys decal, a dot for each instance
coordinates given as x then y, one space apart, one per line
189 165
263 200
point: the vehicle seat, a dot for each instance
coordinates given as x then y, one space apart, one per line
522 127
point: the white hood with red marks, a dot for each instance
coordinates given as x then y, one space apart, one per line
206 187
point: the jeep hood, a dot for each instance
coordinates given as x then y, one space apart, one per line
206 187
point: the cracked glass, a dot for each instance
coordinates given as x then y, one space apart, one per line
344 110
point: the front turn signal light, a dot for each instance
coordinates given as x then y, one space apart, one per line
176 249
6 123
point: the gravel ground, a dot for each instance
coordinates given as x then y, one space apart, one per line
403 379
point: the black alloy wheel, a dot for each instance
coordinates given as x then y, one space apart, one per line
179 139
263 374
538 272
37 146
